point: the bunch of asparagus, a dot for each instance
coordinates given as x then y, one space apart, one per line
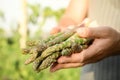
45 52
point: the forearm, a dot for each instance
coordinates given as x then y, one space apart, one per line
75 13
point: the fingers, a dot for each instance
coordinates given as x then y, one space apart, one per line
58 66
96 51
96 32
69 59
87 54
90 55
64 66
55 30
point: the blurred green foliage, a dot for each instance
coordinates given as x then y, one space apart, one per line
12 61
2 14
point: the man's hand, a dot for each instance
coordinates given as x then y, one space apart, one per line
106 43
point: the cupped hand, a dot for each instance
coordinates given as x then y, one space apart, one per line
106 43
63 24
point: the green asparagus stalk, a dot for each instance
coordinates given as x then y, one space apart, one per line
52 58
47 61
73 49
45 52
60 37
66 52
51 37
32 43
26 50
39 43
32 57
56 48
66 44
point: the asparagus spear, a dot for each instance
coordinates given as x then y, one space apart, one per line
47 61
58 38
66 44
46 52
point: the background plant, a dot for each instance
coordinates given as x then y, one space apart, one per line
12 61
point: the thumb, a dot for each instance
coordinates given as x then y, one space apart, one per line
91 52
93 32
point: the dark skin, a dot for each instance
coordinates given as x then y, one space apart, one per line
106 41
